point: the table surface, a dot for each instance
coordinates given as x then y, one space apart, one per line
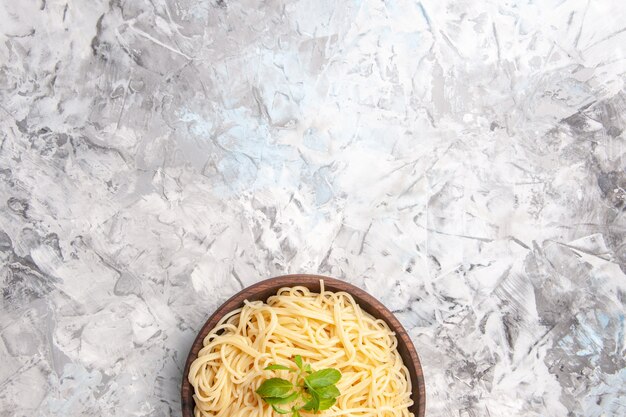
463 161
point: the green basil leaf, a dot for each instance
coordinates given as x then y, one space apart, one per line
327 392
274 367
308 369
275 387
326 403
280 410
296 413
298 360
313 404
278 400
307 387
323 378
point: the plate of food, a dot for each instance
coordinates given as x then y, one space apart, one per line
299 346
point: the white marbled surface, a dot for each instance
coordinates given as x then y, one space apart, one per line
461 160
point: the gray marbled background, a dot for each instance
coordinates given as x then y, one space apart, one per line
461 160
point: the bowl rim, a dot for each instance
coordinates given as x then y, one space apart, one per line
263 289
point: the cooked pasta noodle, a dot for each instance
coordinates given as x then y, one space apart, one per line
329 330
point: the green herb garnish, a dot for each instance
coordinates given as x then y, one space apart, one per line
316 388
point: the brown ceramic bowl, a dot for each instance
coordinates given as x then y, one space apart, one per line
264 289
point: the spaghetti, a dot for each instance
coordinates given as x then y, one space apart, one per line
328 329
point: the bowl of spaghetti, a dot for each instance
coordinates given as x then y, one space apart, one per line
241 364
